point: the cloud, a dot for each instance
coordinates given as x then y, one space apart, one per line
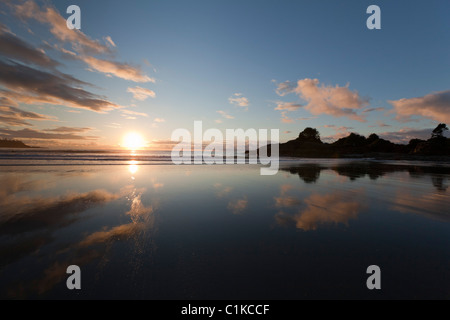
141 94
380 125
17 49
110 41
81 43
58 27
406 134
118 69
373 109
68 130
35 134
288 106
225 115
335 101
133 113
285 118
238 100
341 132
284 88
33 86
159 120
13 116
435 106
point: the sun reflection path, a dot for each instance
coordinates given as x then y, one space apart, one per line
133 167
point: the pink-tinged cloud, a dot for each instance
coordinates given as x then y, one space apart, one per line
141 94
340 132
118 69
435 106
110 41
288 106
238 100
225 115
335 101
58 27
285 118
133 113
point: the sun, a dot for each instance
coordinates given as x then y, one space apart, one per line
133 141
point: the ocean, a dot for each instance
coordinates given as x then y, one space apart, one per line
141 228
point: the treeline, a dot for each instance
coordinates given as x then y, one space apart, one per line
309 145
9 143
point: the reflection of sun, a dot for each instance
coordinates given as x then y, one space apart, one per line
133 167
133 141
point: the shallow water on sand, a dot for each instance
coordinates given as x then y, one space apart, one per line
225 232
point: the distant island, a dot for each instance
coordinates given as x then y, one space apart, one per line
309 145
6 143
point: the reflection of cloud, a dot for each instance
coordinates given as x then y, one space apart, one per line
222 191
317 209
238 206
142 221
286 202
22 214
432 205
335 101
329 208
114 234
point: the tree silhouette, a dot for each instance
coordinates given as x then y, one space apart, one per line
439 131
310 134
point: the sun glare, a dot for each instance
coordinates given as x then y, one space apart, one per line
133 141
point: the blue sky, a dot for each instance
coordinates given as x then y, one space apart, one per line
223 61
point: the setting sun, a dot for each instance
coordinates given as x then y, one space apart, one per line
133 141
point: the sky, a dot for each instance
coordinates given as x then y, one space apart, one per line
156 66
